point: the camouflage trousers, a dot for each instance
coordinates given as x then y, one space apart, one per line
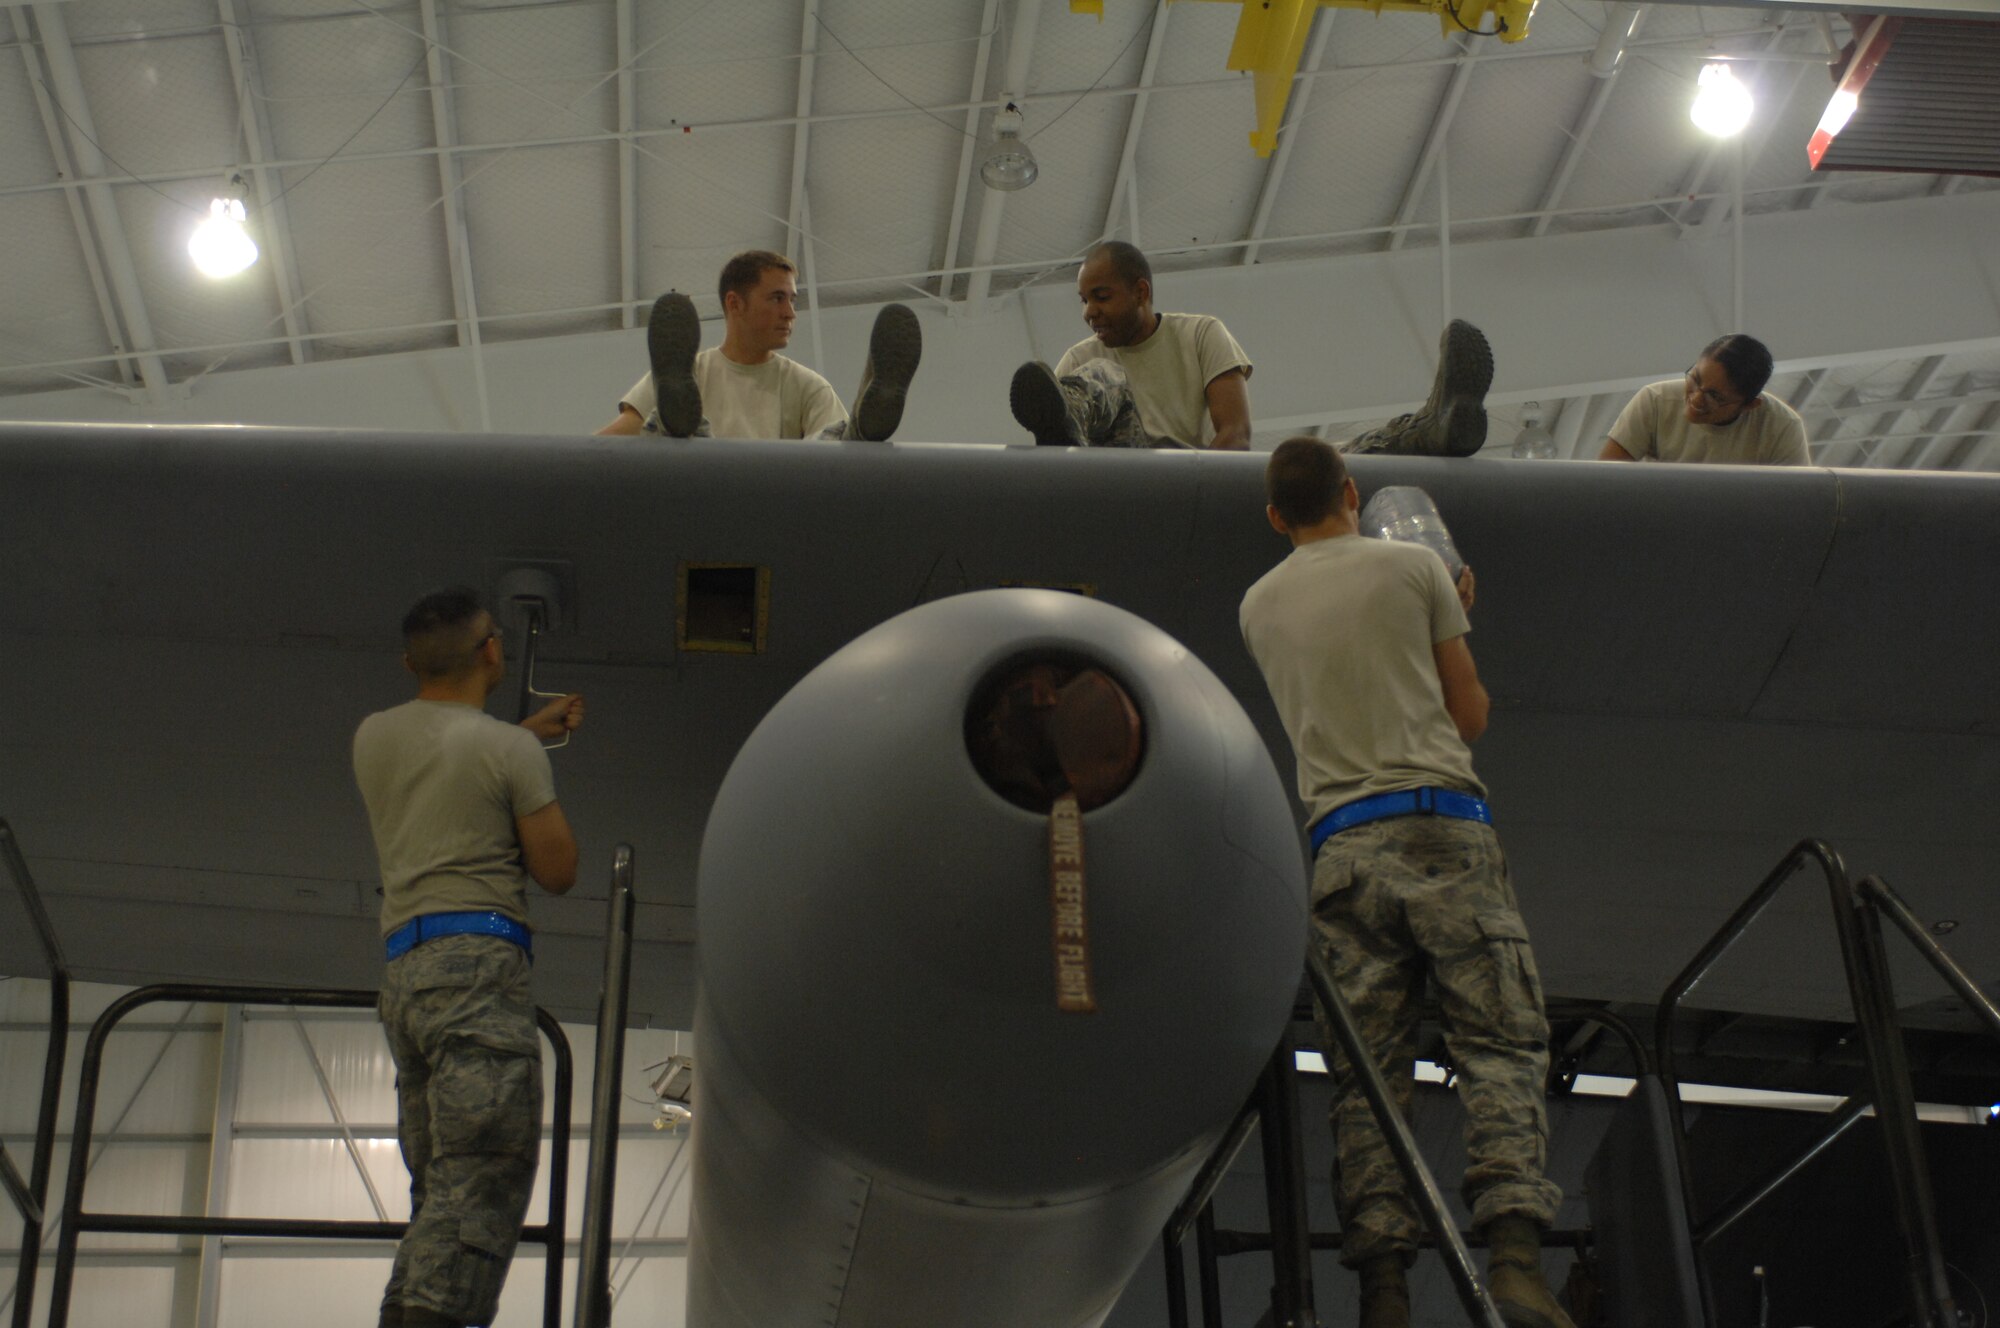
1102 409
1396 902
461 1026
832 433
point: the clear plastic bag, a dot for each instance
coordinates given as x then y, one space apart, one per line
1405 512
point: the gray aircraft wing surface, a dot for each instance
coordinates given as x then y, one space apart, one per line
1692 668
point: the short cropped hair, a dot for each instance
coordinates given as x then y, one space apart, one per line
1126 260
742 273
1745 359
1303 480
441 632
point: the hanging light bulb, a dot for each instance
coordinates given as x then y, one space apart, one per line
1009 164
1533 443
220 247
1723 105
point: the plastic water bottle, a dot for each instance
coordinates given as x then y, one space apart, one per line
1405 512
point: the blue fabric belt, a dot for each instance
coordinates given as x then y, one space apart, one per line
433 925
1404 802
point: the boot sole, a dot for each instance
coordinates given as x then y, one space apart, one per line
894 348
1465 372
1515 1316
673 335
1040 407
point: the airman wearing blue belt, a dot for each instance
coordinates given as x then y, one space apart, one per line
1362 643
464 812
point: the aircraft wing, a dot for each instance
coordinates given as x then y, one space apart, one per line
1692 669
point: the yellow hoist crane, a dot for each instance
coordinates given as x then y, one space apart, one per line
1271 38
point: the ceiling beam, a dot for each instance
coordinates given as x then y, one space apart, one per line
1975 398
1717 209
1937 425
972 107
444 123
628 170
1808 388
59 153
1959 453
992 202
801 136
1447 109
1913 387
967 151
1691 213
1822 449
1568 427
1574 150
276 221
66 83
1128 156
1922 248
1621 26
1295 111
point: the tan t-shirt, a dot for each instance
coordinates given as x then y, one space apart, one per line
1654 427
444 783
1170 372
1343 631
779 398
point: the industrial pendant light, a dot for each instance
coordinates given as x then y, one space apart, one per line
1533 443
1009 164
220 247
1723 105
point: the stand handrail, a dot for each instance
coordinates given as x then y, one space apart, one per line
1417 1178
1739 922
1857 924
593 1265
31 1195
1193 1212
76 1220
1874 890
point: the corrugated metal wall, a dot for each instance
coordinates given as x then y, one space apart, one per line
172 1122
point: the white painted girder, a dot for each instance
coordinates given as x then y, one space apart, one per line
275 222
1295 113
628 170
1715 155
993 203
66 84
1918 383
968 151
79 221
1126 183
802 134
458 248
1454 93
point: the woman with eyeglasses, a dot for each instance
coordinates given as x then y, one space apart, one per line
1715 413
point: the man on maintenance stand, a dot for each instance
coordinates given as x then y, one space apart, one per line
1362 643
464 814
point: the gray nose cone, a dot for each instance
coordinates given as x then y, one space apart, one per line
875 912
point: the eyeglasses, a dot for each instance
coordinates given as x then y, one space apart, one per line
1713 397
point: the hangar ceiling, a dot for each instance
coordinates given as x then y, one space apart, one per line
452 172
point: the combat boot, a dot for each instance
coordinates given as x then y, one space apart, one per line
1453 419
894 347
1042 407
673 335
1514 1275
1385 1293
